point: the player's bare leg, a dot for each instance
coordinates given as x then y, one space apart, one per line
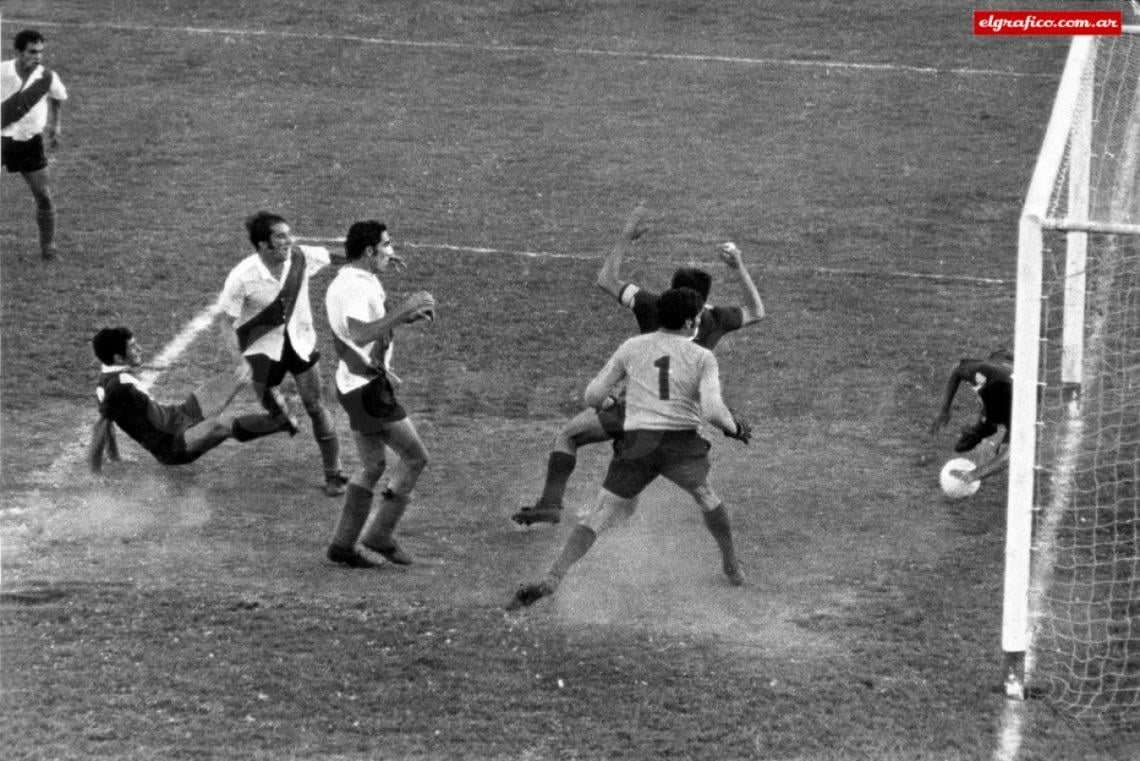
581 430
324 430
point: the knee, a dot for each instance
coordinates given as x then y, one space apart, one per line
369 475
416 463
706 498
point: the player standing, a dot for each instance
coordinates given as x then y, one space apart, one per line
671 383
365 384
32 98
175 434
605 423
267 298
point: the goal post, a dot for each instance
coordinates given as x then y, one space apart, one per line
1071 607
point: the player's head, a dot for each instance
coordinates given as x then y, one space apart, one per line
363 236
27 37
691 277
678 306
266 229
1002 355
115 345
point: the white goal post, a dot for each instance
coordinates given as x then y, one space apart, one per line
1071 608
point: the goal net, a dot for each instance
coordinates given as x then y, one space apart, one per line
1071 621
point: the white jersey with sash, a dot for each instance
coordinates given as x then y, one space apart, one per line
25 101
251 289
667 377
357 294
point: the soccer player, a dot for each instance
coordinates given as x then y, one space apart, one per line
175 434
992 381
365 384
32 98
605 423
671 383
267 298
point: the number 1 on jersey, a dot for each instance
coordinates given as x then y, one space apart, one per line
662 366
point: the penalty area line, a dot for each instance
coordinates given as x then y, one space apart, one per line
536 49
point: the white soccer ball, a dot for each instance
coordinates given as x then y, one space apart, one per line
953 487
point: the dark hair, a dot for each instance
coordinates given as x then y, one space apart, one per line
25 38
361 235
691 277
260 226
1002 355
111 342
677 305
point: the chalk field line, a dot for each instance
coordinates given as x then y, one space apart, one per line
963 71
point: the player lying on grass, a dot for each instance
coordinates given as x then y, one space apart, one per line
992 380
175 434
671 382
363 329
605 423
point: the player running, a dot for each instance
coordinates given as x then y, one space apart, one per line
176 434
366 386
605 423
670 382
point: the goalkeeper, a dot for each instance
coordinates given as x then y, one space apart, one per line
992 381
670 381
605 423
176 434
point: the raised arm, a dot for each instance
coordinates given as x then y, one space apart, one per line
608 279
752 306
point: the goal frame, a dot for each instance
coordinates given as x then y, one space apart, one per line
1069 129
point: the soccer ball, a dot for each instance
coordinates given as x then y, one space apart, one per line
953 487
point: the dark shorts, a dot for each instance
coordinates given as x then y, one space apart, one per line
612 419
640 456
972 435
372 407
270 373
23 155
169 448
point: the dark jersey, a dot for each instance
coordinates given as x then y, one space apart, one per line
993 383
714 322
158 428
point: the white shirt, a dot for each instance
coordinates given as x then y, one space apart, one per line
671 383
35 120
360 295
250 288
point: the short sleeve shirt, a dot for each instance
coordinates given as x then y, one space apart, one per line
715 322
34 121
357 294
250 288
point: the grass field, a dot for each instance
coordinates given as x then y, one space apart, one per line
869 161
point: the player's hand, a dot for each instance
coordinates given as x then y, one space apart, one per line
243 373
419 306
730 255
743 431
965 476
635 225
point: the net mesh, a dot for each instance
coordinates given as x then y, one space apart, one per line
1086 611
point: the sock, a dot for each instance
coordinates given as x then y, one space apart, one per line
383 526
325 433
716 521
250 427
579 542
559 466
45 219
357 505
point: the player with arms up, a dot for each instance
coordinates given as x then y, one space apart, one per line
175 434
266 296
992 381
366 386
671 384
605 423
